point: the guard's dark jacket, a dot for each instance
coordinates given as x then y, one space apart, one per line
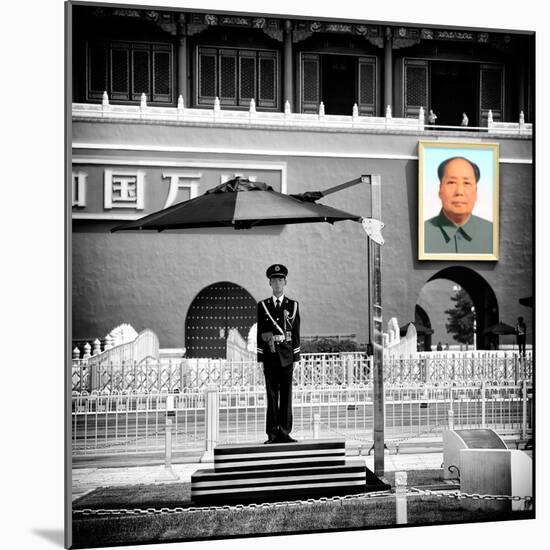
285 323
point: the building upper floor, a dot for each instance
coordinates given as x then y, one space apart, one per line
353 73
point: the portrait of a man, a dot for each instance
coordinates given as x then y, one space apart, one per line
458 201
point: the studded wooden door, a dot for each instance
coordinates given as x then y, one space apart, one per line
215 310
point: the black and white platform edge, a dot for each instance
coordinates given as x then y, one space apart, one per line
282 455
282 471
280 484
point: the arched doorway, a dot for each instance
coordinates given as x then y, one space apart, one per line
216 309
481 294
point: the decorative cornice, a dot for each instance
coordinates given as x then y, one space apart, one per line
402 37
164 20
200 22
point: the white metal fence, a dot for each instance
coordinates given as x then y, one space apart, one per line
314 370
132 422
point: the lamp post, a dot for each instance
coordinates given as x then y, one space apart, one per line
473 310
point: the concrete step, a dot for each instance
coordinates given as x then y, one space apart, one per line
282 471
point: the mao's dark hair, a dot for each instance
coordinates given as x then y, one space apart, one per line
443 165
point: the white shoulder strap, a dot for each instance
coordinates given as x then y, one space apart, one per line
273 320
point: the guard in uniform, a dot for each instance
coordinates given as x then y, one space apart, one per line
279 350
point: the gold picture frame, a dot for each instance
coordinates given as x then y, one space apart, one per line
458 224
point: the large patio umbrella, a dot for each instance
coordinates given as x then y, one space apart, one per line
500 329
241 204
527 301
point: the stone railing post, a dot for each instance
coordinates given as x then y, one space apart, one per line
451 419
316 425
97 347
401 497
349 369
87 351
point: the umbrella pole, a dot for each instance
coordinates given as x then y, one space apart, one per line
374 309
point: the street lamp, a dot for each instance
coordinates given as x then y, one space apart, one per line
473 310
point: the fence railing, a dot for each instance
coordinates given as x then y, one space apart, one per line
314 370
131 422
216 115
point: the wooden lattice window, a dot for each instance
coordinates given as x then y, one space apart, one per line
416 86
366 67
310 82
491 78
125 70
236 76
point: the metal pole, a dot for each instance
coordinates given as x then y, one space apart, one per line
167 473
475 333
524 409
483 405
375 329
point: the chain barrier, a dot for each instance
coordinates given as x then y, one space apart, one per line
474 496
413 491
231 507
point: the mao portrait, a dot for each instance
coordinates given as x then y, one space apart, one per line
458 201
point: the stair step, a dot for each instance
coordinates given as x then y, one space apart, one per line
279 484
282 455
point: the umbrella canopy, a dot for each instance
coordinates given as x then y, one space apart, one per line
528 301
500 329
241 204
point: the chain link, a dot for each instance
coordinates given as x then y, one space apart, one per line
413 491
461 496
227 507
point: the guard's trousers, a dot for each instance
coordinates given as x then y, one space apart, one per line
278 385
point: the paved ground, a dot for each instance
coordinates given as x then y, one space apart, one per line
85 480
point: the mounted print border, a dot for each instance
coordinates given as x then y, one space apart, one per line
440 238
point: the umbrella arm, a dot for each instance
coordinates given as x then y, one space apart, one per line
373 229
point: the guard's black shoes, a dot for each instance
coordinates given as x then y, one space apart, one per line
287 439
270 440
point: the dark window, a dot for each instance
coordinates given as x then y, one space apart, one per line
340 82
453 91
98 70
451 88
236 76
125 70
491 94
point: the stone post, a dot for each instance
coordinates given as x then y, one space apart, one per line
212 421
401 497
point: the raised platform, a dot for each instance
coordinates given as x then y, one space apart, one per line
282 471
